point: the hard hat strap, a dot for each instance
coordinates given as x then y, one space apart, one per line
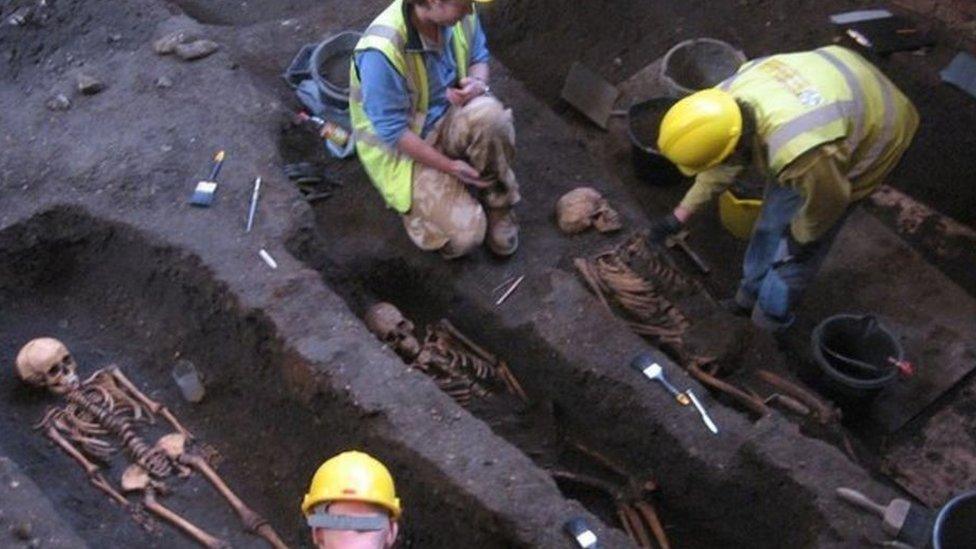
371 523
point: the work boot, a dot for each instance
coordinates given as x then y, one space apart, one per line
502 238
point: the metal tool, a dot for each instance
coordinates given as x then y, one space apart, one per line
590 94
680 240
510 289
701 411
254 204
645 364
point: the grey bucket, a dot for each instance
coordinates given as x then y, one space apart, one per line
852 353
329 66
698 64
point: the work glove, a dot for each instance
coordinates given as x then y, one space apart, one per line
663 227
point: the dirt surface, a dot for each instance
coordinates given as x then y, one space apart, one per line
99 248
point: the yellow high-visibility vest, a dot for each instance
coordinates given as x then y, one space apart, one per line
803 100
391 171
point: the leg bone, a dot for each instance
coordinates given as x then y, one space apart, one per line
625 522
630 516
191 529
650 517
252 521
824 412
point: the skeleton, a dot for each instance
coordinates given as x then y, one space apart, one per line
644 300
645 303
108 405
583 207
635 511
458 366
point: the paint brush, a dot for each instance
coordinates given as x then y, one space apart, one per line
203 194
254 204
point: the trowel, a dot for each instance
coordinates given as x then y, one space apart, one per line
590 94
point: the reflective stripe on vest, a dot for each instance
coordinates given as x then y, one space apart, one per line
390 171
876 130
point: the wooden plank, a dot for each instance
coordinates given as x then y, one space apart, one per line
941 461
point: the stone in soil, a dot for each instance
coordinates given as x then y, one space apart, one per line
89 85
196 50
59 102
167 44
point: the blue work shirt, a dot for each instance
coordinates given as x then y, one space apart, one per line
386 98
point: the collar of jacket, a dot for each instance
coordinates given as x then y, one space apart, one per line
414 43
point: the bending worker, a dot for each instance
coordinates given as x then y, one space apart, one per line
352 504
824 128
427 128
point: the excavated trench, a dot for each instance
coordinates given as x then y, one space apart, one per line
700 504
114 296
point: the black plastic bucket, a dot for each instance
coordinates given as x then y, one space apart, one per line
955 526
853 353
643 125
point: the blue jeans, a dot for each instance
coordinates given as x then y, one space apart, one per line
772 281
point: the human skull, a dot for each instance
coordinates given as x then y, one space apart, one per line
387 323
46 362
582 207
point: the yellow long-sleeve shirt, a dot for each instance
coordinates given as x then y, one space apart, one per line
815 175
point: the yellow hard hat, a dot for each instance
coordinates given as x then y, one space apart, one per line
700 131
352 476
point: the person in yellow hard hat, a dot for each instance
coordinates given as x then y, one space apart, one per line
435 143
351 503
824 128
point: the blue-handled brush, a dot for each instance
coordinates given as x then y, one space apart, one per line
203 194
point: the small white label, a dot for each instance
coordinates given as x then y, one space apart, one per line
268 259
586 539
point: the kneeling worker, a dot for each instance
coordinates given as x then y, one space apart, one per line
824 128
426 126
352 504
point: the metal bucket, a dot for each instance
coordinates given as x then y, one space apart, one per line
699 64
643 125
853 354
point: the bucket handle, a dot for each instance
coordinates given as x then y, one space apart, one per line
869 324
